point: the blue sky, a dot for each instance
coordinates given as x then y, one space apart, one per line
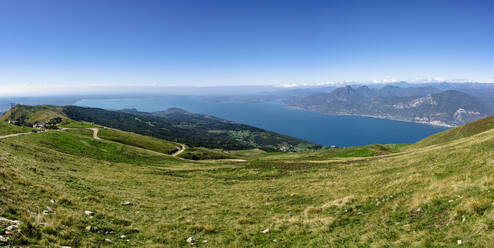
204 42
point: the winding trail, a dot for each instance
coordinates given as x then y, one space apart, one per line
95 133
179 151
95 130
95 136
12 135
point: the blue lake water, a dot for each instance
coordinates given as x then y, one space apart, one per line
274 116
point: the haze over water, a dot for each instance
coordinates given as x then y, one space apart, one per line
274 116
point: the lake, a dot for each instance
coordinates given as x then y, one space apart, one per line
274 116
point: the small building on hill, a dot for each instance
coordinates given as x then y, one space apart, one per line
38 125
54 121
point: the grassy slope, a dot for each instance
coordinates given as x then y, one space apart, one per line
77 124
466 130
6 128
153 144
430 196
86 146
44 113
159 145
199 153
33 113
146 142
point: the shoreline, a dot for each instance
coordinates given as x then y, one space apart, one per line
375 116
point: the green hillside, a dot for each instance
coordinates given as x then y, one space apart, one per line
146 142
6 128
149 144
371 196
463 131
198 153
31 114
81 143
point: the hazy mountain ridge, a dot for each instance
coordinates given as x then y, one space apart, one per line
418 104
375 100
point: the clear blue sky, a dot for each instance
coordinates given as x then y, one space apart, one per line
243 42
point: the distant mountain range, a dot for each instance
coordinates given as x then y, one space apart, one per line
437 103
425 104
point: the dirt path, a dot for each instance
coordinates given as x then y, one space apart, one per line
12 135
221 160
95 133
95 136
179 151
95 130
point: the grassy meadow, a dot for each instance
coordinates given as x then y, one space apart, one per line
6 128
370 196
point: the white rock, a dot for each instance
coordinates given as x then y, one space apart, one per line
418 209
460 242
11 228
127 203
13 222
87 212
204 241
3 239
52 201
108 240
123 236
65 247
191 240
265 231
